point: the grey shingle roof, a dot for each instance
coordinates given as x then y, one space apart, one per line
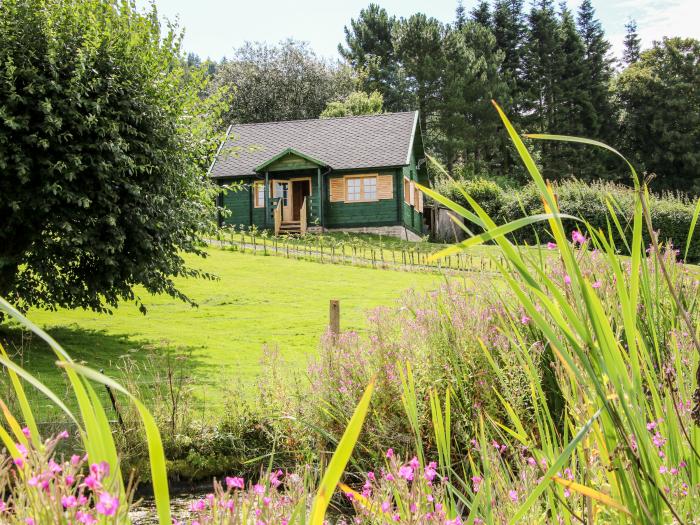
369 141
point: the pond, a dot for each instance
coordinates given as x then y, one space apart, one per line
145 512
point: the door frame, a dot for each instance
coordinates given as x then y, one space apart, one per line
298 179
288 210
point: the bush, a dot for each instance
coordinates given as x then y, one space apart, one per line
487 193
671 213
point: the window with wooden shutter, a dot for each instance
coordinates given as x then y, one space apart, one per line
407 191
337 189
412 192
385 187
419 200
361 188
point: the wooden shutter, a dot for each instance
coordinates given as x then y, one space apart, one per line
385 187
407 191
420 201
412 192
337 189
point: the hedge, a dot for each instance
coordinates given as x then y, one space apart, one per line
671 213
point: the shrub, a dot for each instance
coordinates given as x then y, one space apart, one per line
487 193
672 214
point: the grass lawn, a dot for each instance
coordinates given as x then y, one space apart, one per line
257 301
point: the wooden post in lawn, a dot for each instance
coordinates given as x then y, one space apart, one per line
334 318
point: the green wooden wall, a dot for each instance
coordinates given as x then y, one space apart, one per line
238 202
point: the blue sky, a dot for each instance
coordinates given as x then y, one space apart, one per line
215 27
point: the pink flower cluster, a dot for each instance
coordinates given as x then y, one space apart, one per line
39 488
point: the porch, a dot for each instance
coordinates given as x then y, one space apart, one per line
292 200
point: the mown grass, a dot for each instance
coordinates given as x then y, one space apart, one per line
257 302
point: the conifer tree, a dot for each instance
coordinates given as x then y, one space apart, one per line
571 99
481 14
467 124
418 46
632 43
542 73
599 120
460 15
370 51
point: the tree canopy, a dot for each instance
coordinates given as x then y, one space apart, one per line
104 141
660 103
356 103
283 82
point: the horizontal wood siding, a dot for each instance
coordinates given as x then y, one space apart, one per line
354 214
238 203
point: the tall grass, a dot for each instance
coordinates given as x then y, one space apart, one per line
627 442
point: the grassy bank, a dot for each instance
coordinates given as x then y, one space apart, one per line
256 302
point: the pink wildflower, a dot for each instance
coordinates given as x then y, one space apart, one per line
258 489
69 502
107 505
577 237
414 463
551 245
406 472
236 483
386 506
525 319
390 453
513 495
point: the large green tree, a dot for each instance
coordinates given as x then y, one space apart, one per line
284 82
660 103
466 123
369 49
599 121
418 46
632 44
104 143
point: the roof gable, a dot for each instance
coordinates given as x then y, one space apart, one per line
367 141
289 159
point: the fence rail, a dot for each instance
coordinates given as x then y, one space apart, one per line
329 250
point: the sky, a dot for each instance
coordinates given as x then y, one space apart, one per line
214 28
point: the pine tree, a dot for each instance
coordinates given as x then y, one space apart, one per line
468 126
460 15
599 120
370 52
633 47
542 63
481 14
418 47
509 29
571 98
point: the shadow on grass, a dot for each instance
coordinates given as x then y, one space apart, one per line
138 365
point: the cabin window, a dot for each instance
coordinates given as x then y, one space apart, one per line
259 194
407 191
360 189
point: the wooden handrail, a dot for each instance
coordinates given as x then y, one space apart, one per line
302 217
278 217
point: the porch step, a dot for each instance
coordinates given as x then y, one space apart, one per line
290 227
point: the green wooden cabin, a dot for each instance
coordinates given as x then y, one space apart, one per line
349 173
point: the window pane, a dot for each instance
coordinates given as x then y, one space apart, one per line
353 193
370 188
260 194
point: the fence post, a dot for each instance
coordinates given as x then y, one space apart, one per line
114 403
334 318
